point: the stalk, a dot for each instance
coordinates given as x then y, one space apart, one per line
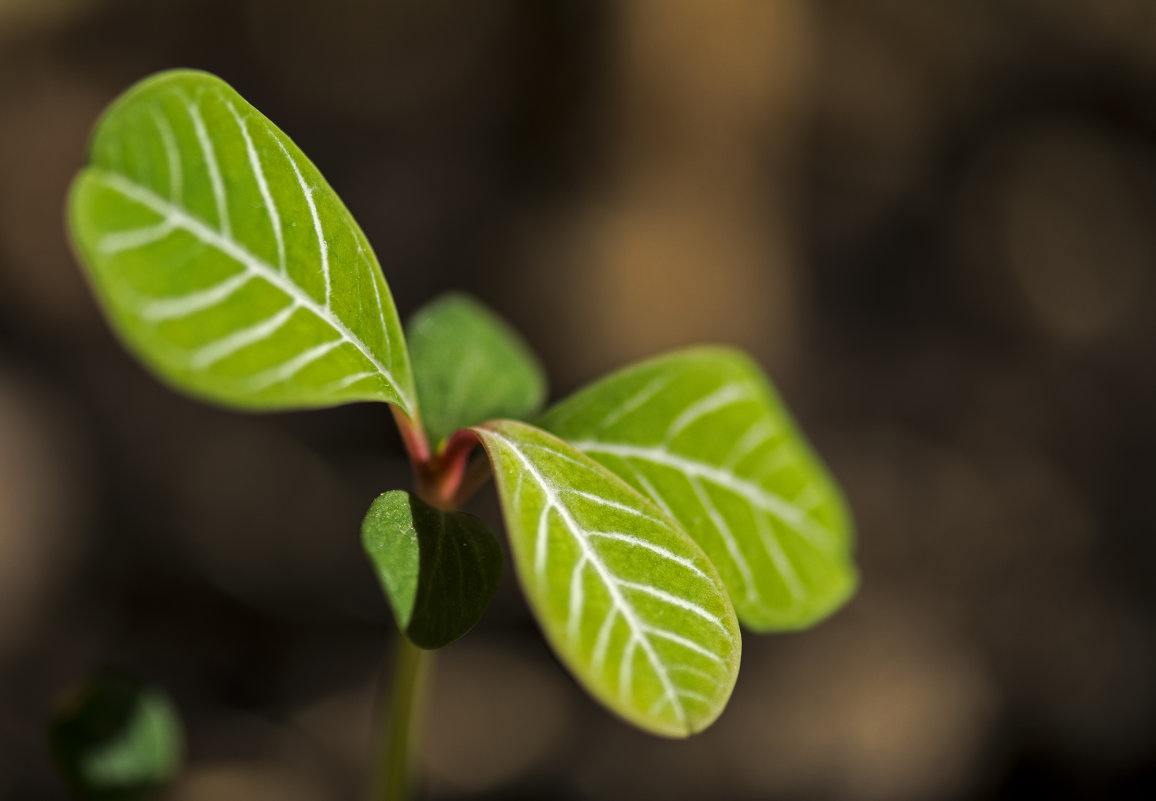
402 730
444 479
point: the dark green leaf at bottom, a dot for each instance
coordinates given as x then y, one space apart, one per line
439 570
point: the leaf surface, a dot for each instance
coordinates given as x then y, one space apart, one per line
439 570
702 433
470 366
626 598
225 260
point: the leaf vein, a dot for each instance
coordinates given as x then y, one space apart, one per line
674 600
237 252
318 230
288 369
637 628
262 184
637 401
213 168
172 154
161 309
638 542
208 355
728 536
720 399
754 494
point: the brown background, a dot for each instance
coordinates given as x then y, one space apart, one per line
931 222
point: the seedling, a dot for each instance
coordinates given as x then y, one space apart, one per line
648 515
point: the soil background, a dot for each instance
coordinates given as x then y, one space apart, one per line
932 222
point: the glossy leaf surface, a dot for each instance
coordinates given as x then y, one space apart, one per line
702 433
626 598
470 366
439 570
225 260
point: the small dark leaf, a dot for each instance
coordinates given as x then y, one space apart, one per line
439 570
117 738
470 367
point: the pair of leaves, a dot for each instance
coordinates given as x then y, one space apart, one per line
665 482
666 498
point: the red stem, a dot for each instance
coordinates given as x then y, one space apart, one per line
445 479
453 460
475 476
413 435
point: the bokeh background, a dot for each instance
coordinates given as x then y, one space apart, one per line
931 222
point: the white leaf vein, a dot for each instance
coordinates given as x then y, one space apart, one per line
756 495
213 168
172 154
722 398
121 241
318 230
611 504
208 355
674 600
161 309
640 633
262 184
234 250
728 537
639 542
638 400
779 559
374 278
287 369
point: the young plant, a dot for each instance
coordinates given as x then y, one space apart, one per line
648 515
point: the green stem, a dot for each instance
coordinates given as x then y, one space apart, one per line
402 721
439 479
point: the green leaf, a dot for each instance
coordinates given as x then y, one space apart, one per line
470 367
627 600
224 259
117 738
439 570
702 433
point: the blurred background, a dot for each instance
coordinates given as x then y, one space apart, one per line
931 222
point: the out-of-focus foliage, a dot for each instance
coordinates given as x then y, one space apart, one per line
470 367
116 738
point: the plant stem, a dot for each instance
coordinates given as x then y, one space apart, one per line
402 721
443 479
473 477
412 436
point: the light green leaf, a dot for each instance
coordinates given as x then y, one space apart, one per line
702 433
626 599
439 570
470 366
226 261
117 738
